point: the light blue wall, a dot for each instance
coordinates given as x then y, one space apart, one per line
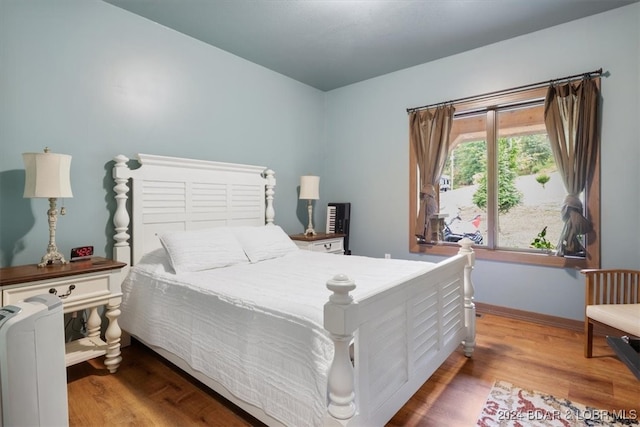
91 80
368 148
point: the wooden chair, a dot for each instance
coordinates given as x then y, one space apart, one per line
612 298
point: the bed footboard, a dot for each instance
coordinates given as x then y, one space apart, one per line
400 337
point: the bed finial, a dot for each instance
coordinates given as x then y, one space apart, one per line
121 250
270 212
469 341
340 320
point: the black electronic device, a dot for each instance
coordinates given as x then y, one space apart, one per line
81 252
338 221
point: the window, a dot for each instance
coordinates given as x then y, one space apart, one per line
501 187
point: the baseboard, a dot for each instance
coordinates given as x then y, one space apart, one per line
125 339
544 319
530 316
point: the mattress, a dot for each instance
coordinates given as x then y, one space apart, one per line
254 328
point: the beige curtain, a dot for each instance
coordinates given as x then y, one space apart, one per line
429 132
571 119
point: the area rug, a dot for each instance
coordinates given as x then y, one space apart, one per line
511 406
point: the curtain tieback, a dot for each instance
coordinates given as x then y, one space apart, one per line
572 213
428 191
571 202
431 204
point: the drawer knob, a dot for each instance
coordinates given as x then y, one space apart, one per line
327 246
54 291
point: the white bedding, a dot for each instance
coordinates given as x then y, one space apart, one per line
254 328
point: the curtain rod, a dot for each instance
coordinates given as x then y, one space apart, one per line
506 91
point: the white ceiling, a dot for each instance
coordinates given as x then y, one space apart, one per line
332 43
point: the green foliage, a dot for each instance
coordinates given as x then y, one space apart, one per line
480 196
470 159
542 179
508 194
541 242
531 154
534 153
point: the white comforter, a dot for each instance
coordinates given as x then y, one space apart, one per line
254 328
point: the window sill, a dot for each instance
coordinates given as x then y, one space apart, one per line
532 258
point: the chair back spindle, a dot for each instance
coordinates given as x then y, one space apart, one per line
612 286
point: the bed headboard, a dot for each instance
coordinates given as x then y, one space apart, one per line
171 194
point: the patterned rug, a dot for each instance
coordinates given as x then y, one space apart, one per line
510 406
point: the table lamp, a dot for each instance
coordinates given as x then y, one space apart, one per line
47 175
310 190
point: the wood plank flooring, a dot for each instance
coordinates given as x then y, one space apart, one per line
147 391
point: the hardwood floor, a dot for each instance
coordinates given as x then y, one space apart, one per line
148 391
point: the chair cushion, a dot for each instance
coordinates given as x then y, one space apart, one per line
625 317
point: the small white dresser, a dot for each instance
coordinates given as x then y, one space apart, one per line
332 243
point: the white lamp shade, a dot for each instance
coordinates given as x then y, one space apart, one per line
309 187
47 175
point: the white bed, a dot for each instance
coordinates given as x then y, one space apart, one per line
265 332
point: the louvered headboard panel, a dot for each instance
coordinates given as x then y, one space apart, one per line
176 194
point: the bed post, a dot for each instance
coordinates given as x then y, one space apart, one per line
121 249
271 183
469 342
340 314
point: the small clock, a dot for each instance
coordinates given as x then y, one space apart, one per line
81 252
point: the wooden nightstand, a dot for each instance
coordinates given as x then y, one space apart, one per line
80 285
322 242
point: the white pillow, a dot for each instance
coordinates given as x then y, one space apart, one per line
198 250
264 242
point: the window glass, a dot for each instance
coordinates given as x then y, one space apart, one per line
530 190
465 167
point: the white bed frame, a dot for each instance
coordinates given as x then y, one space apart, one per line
419 322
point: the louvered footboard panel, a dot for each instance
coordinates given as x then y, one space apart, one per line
452 310
387 355
437 318
411 335
425 326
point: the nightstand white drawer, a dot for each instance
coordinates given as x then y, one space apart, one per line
71 290
328 245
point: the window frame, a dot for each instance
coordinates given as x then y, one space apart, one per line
591 196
